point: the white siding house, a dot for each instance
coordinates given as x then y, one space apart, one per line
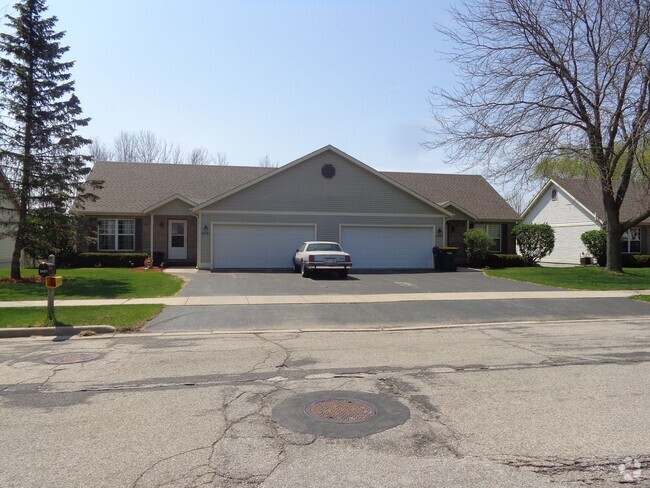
6 243
571 208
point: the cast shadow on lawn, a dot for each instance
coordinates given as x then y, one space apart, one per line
71 288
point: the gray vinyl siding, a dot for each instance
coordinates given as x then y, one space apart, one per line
175 207
327 226
302 187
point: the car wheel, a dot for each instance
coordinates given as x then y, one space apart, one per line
304 271
343 274
296 268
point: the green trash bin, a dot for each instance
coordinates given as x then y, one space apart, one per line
444 258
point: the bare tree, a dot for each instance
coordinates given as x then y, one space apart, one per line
265 162
545 79
99 151
125 147
222 159
200 155
175 154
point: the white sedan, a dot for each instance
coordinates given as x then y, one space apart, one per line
314 255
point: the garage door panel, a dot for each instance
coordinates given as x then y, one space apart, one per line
257 246
388 247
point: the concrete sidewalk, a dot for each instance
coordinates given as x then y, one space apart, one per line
329 299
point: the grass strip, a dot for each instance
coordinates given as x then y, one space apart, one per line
123 317
642 298
578 278
93 283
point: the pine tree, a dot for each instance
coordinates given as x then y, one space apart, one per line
39 144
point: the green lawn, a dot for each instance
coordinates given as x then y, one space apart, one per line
642 298
578 278
94 283
122 317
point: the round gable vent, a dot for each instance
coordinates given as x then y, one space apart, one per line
328 171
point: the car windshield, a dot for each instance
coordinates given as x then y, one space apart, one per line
323 246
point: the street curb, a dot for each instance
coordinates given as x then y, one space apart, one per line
55 331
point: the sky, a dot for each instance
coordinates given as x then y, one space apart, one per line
255 77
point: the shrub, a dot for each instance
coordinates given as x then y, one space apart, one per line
596 242
534 240
477 242
110 260
636 260
506 261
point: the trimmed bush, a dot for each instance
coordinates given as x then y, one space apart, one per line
636 260
596 242
477 242
506 261
534 240
110 260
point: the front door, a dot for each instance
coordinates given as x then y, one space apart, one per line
177 248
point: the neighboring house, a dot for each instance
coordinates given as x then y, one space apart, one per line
8 208
574 206
221 217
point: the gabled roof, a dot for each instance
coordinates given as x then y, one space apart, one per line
470 192
587 193
137 188
339 153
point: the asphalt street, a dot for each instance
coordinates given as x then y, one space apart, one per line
517 405
389 315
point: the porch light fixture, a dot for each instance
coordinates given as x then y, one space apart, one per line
439 231
161 224
205 228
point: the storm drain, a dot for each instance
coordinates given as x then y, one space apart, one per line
340 414
72 357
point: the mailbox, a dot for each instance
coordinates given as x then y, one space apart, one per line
53 281
43 270
46 269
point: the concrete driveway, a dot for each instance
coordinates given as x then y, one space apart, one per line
206 283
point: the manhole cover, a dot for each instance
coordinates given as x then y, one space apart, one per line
341 410
340 413
72 357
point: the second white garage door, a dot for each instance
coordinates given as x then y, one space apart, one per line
257 245
388 247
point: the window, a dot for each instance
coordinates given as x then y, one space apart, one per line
631 241
116 235
494 231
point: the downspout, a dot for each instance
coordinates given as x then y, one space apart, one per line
198 241
151 236
444 230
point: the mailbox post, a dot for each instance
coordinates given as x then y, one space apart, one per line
47 272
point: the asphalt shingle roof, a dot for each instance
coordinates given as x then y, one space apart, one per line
471 192
133 187
588 193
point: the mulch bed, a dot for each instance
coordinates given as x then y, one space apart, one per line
152 268
29 279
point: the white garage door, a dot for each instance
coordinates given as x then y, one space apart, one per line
388 247
257 246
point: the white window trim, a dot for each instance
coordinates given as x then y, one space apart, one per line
627 240
117 235
499 239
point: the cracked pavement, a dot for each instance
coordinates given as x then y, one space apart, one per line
516 405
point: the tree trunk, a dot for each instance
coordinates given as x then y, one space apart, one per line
614 259
15 263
